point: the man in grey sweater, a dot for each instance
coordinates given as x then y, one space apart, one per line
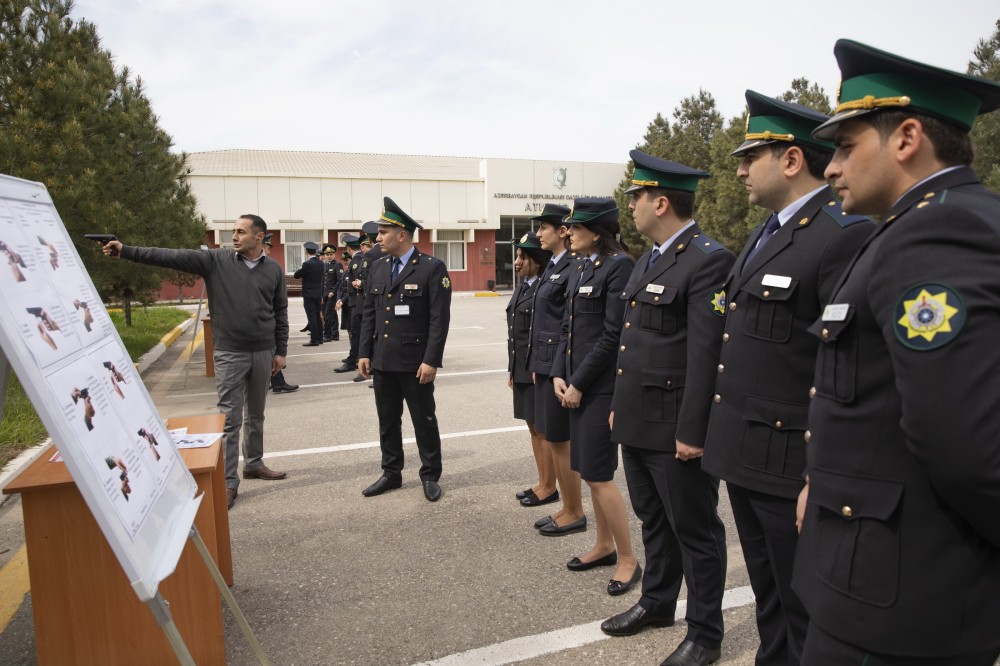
249 306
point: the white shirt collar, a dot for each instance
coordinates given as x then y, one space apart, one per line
669 241
933 175
791 209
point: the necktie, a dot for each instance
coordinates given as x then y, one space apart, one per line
548 269
770 227
653 256
396 266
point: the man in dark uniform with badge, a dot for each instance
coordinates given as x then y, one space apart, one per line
666 371
311 273
355 300
331 280
343 291
404 327
898 561
775 291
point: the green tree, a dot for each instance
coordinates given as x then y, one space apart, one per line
686 140
986 131
71 121
808 94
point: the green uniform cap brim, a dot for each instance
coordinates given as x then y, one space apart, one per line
643 178
765 130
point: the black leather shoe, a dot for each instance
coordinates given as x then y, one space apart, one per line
634 620
524 493
383 484
346 367
358 378
286 388
552 528
616 587
535 500
304 330
608 560
432 491
311 344
689 653
542 522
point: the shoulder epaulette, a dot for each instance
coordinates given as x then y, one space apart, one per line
706 244
834 210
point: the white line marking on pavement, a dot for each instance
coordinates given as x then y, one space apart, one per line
406 440
348 382
529 647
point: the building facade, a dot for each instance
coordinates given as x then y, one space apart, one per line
470 207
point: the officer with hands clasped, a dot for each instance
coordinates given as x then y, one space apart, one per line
666 368
898 561
403 332
776 289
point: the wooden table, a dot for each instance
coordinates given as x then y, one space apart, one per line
84 609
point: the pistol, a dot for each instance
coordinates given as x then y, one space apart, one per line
101 238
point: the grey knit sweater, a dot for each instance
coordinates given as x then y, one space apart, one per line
249 306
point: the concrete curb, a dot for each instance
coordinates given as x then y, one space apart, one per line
28 456
154 354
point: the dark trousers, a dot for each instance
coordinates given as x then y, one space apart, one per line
355 335
766 525
822 649
313 309
331 327
683 536
391 389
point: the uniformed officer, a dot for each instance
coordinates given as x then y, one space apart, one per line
898 561
666 371
331 280
403 332
775 291
343 290
354 300
583 378
551 418
278 382
529 262
311 273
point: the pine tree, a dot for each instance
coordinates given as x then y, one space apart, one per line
986 131
68 119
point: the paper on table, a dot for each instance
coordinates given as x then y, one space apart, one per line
197 441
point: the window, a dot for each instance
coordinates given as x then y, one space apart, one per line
450 248
294 254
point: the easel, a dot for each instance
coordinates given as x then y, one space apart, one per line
158 605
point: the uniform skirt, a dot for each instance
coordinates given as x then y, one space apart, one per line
592 454
524 402
551 418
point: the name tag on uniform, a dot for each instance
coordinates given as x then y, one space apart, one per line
654 288
836 312
586 290
780 281
411 286
554 277
402 310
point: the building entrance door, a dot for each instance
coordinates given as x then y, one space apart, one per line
510 228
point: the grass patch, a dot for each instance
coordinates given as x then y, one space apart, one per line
21 428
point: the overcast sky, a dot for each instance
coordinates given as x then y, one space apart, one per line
523 79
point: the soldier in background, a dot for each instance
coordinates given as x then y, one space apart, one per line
331 280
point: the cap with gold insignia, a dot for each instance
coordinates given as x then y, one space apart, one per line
370 229
873 80
552 213
350 240
774 121
394 215
530 246
345 255
594 213
363 239
329 248
309 246
655 172
267 239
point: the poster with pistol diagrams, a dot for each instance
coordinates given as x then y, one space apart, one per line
64 349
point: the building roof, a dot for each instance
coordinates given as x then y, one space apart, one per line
308 164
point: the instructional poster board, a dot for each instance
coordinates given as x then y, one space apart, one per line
61 343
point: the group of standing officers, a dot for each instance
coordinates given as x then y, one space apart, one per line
836 374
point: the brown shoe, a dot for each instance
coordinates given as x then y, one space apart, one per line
230 497
263 472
